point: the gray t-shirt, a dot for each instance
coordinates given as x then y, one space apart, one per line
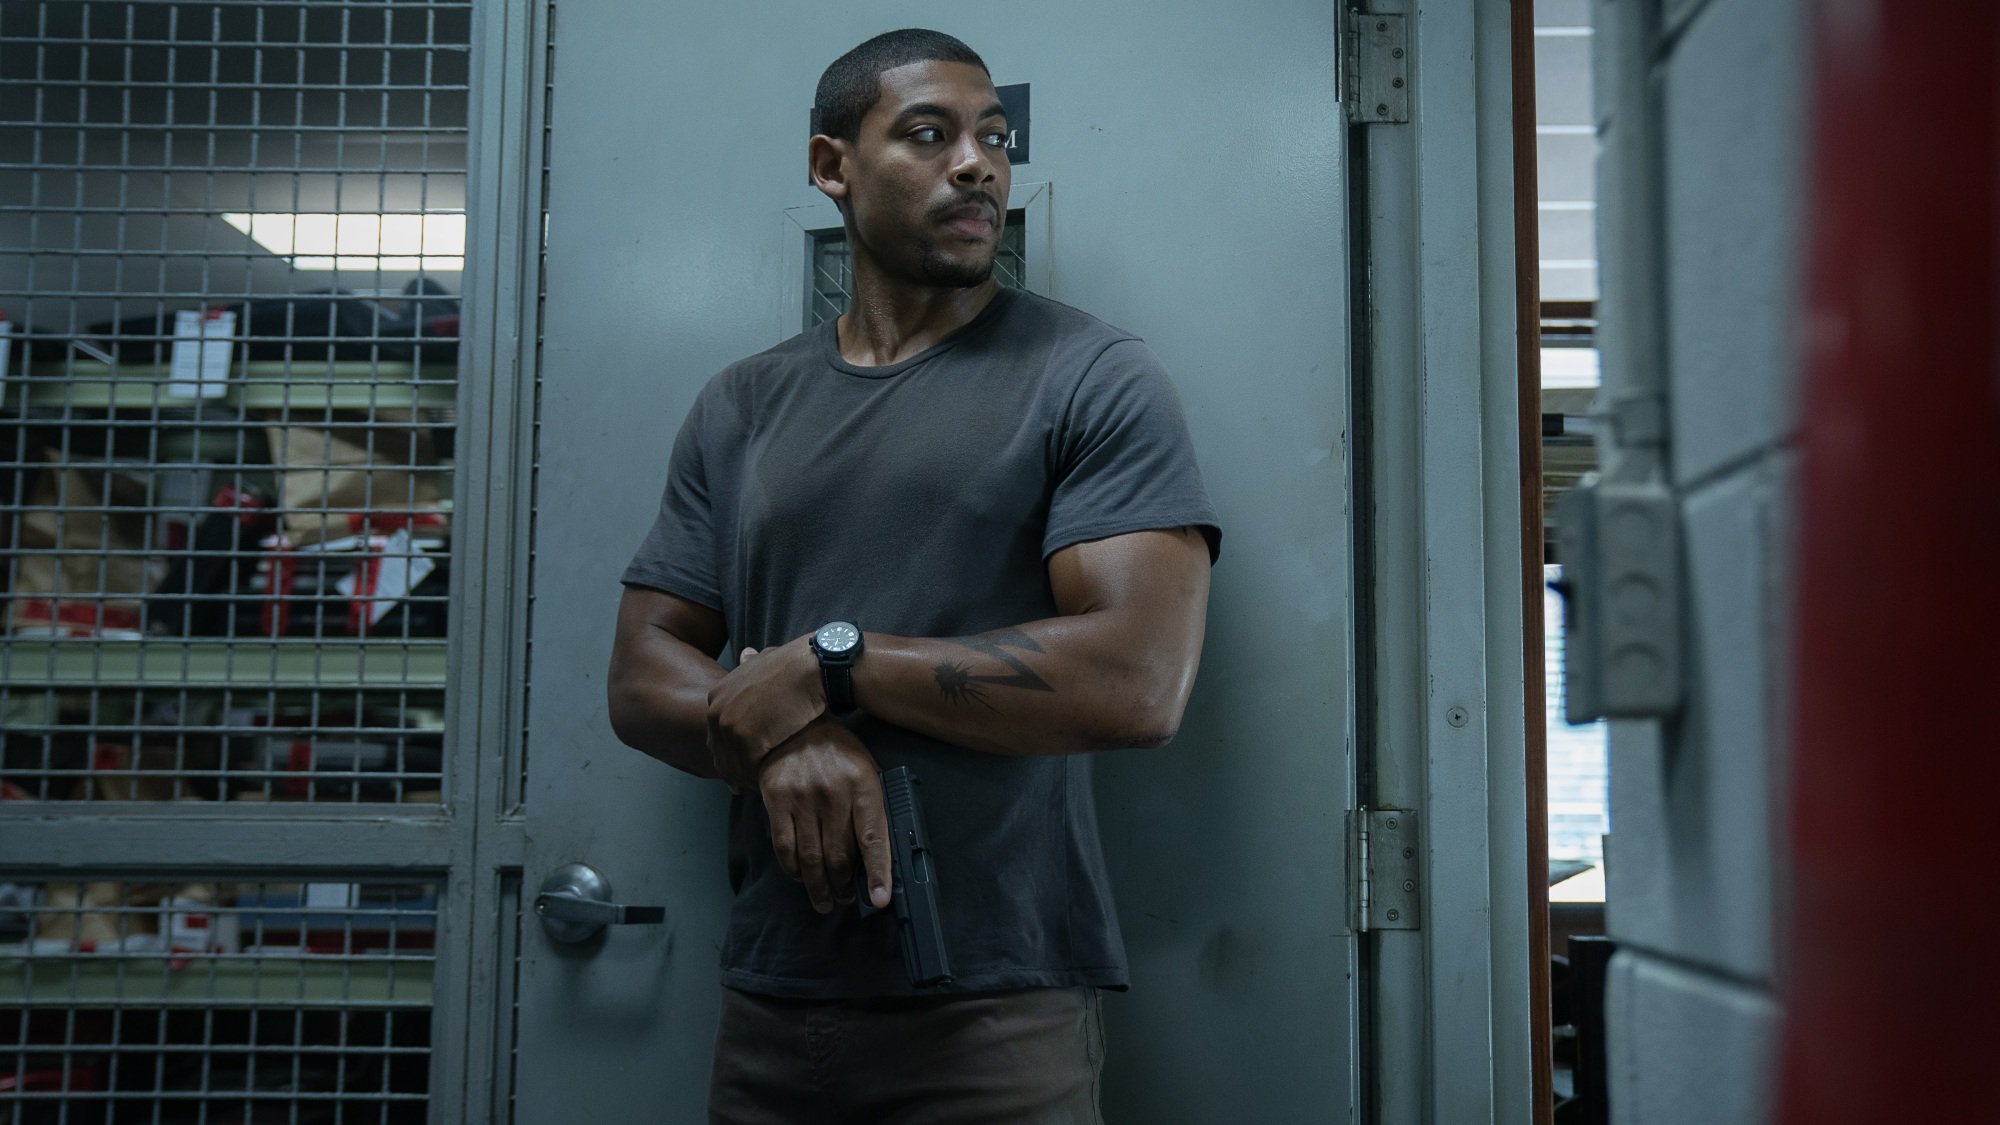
923 499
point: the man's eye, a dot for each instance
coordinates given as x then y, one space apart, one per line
928 134
997 140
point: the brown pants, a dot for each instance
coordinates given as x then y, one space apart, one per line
1024 1058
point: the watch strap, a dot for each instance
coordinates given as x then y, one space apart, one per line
837 680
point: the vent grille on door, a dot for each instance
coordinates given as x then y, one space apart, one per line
231 238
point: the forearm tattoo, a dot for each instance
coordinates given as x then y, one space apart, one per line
958 684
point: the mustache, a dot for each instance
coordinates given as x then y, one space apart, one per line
979 197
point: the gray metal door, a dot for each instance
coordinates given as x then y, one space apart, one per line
1185 182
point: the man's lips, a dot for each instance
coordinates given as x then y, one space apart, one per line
971 220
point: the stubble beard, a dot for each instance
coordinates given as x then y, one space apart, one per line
940 269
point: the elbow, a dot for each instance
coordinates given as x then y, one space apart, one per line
620 710
1157 728
626 709
1156 738
1153 719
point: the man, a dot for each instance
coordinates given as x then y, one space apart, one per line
960 530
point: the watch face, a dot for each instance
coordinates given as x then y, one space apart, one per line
837 637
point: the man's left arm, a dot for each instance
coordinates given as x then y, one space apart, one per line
1112 669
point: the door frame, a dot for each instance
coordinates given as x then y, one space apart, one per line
500 349
1441 727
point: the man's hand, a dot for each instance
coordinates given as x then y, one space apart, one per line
768 698
824 797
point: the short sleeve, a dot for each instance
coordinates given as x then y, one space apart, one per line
1123 459
678 554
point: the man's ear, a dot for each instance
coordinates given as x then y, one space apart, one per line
826 159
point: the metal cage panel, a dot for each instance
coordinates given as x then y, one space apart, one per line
231 235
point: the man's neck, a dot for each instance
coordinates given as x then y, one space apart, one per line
889 320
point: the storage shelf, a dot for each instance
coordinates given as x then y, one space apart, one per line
299 387
215 980
222 663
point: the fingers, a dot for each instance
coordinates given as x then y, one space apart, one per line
784 841
759 705
871 833
804 851
824 799
839 852
812 865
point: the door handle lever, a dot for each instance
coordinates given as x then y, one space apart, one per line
568 906
575 904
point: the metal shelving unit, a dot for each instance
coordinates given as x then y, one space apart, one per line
271 386
217 980
235 662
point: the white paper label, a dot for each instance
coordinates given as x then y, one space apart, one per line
201 354
400 566
331 896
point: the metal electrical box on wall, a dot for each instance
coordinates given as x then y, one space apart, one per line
1619 542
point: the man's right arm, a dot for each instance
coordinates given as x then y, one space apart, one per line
662 667
820 786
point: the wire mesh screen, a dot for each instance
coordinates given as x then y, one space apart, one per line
231 235
215 1002
832 282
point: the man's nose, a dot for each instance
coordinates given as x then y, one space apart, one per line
973 163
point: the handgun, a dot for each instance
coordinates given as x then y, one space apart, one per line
913 889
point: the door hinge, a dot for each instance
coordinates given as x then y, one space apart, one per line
1382 869
1375 57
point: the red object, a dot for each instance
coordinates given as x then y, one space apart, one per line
66 1077
299 762
388 523
250 507
74 619
1891 966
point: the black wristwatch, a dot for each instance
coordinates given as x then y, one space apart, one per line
837 644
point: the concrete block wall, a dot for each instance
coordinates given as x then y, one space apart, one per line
1696 800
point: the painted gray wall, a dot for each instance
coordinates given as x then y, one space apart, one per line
1695 800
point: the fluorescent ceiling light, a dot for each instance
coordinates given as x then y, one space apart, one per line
433 240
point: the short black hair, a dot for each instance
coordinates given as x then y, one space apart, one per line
853 83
